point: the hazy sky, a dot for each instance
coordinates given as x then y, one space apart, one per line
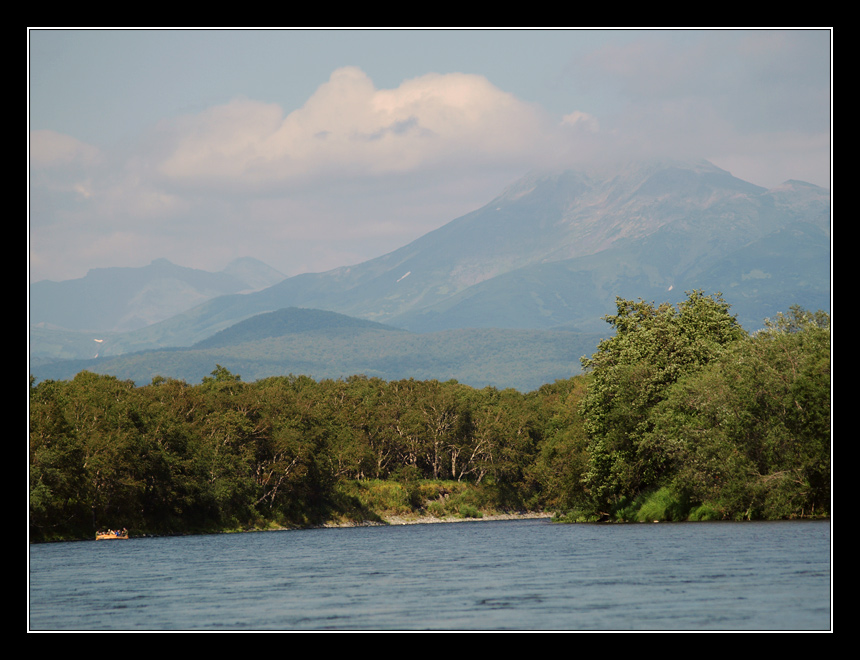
312 149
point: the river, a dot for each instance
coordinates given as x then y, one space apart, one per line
480 576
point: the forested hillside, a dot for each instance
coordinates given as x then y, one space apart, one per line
522 359
680 415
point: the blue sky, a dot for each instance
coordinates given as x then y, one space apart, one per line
313 149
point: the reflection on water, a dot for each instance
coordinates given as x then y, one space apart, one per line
518 575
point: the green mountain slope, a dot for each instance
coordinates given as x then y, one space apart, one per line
288 322
326 345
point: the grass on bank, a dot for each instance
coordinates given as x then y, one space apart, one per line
665 505
660 505
419 497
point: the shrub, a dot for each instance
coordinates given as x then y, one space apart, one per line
469 511
663 504
704 512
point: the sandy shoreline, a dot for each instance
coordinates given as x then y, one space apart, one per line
426 520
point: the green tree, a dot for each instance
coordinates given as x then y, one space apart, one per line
169 409
749 435
562 463
508 425
653 347
58 485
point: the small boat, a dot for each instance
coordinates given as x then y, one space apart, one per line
112 535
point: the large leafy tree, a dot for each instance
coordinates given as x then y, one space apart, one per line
58 481
630 373
749 436
562 462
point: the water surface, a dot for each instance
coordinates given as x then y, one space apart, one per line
500 575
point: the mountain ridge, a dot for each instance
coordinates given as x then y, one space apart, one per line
120 298
553 250
478 247
288 321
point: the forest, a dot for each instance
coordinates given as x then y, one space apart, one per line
679 415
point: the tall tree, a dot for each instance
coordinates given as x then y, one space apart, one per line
631 372
749 435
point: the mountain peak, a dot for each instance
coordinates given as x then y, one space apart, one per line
125 298
253 272
555 248
289 321
689 214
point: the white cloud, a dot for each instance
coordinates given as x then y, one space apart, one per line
581 120
350 128
50 149
358 170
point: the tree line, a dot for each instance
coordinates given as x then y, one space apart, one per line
681 414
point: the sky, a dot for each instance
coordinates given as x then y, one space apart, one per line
315 149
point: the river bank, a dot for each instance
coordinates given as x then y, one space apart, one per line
426 519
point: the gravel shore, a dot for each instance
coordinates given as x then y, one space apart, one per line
425 520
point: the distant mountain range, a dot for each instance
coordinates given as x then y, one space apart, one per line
123 299
550 254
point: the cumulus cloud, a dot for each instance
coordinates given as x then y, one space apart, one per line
353 172
359 170
581 120
350 128
49 149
